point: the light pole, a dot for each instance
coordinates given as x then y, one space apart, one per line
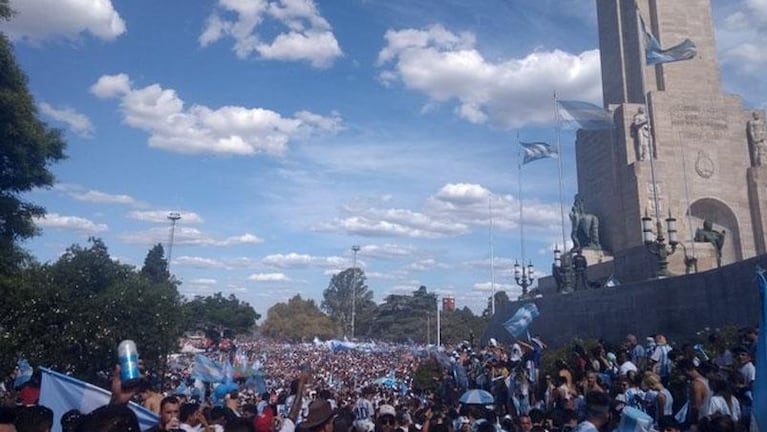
523 275
439 329
173 217
355 249
656 243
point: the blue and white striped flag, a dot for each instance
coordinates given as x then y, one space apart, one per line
585 115
654 54
207 370
518 323
62 393
537 150
759 390
634 420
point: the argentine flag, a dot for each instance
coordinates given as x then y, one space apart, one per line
518 323
537 150
654 54
62 393
585 115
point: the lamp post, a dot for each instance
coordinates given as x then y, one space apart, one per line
173 217
355 249
656 242
562 270
523 275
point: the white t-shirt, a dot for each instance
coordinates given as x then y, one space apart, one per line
749 373
626 367
719 405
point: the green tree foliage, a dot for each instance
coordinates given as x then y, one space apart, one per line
427 376
298 320
217 311
71 314
27 148
404 318
337 301
461 325
155 265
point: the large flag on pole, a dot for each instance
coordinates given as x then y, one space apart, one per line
518 323
62 393
654 54
537 150
759 390
585 115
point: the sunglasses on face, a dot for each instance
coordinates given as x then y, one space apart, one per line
388 421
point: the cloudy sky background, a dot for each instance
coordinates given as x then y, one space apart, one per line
286 131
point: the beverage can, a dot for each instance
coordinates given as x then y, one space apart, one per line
127 355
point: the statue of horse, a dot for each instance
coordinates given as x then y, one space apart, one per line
585 232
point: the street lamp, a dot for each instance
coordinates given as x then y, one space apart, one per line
656 243
523 275
355 249
173 217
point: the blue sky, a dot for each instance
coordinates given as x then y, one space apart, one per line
286 131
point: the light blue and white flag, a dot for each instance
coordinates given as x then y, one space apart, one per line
537 150
62 393
207 370
759 390
585 115
654 54
634 420
518 323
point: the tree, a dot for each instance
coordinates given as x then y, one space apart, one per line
27 148
217 311
403 318
461 325
298 320
155 265
70 315
337 301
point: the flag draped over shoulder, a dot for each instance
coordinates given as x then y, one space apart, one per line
537 150
518 323
62 393
585 115
654 54
760 384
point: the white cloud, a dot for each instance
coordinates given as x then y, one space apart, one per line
186 236
45 19
307 37
268 277
291 260
201 281
81 194
446 66
741 37
161 216
77 122
199 129
386 251
198 262
394 222
70 223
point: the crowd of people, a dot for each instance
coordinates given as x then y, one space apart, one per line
625 386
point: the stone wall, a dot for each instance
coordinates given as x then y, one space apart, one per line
678 307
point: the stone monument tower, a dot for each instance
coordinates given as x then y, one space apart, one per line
702 142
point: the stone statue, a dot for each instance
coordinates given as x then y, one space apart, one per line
640 129
585 232
756 132
710 235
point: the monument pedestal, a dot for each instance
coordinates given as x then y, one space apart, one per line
757 196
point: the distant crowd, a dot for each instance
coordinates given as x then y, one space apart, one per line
634 386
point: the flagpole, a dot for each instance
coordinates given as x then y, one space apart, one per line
492 258
653 143
519 194
557 128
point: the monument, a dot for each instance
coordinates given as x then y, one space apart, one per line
707 149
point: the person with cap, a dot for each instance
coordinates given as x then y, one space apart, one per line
597 412
386 420
320 418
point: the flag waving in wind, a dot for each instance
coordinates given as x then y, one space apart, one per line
537 150
518 323
585 115
654 54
